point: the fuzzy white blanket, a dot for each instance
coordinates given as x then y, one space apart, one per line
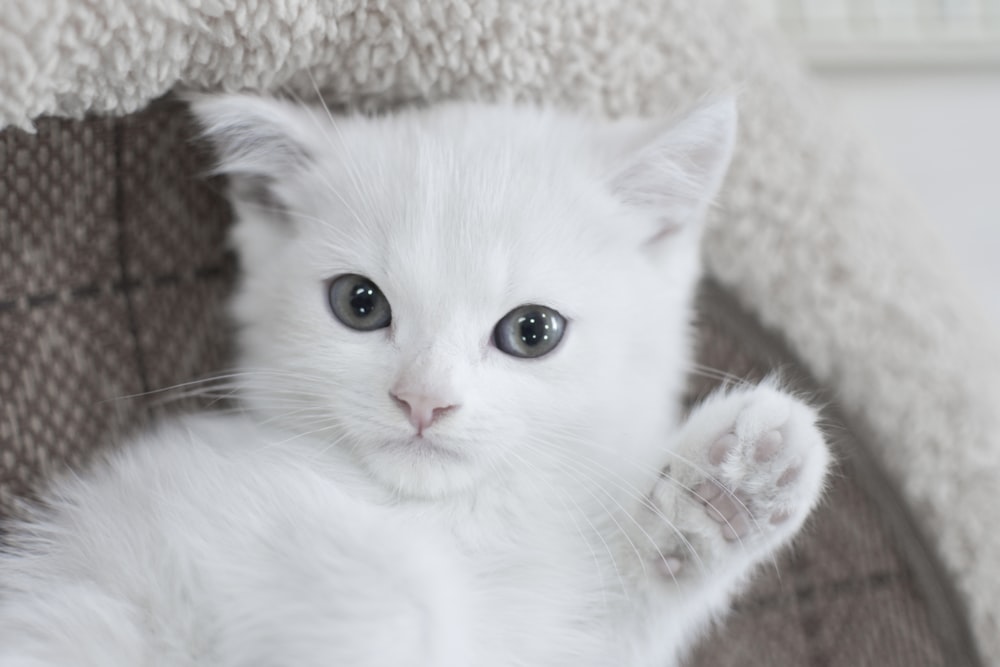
810 235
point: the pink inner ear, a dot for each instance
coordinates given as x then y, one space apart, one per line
677 175
667 228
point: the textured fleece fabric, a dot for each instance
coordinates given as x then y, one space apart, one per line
809 233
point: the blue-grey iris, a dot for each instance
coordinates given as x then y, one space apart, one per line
529 331
358 303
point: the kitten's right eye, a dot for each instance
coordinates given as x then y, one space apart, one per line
358 303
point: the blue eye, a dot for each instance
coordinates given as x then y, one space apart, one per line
358 303
529 331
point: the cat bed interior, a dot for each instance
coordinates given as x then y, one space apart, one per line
112 267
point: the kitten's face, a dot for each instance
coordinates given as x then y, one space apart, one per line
387 251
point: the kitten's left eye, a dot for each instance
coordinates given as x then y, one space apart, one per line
529 331
358 303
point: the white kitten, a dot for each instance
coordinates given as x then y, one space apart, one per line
463 335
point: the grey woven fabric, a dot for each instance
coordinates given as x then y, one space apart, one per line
113 272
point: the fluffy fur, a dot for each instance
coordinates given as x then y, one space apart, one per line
558 513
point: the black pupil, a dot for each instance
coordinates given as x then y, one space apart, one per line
534 328
363 299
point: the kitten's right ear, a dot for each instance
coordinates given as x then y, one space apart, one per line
676 172
254 136
261 144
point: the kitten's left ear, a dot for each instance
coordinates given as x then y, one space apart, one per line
678 173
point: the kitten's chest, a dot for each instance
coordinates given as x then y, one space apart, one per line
532 567
520 540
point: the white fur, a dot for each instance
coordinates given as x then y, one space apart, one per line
531 524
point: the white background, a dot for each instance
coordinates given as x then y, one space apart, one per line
920 78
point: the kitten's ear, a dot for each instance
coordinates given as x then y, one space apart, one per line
255 137
678 171
261 145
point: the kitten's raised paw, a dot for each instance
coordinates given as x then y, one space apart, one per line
749 468
731 505
763 475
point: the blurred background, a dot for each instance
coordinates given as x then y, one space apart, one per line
920 78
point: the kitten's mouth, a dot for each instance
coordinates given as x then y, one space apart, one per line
423 467
423 447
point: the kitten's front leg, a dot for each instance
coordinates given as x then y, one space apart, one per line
746 470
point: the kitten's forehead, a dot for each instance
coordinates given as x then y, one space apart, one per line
457 167
451 256
490 213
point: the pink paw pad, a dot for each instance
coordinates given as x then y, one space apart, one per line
727 509
768 446
722 448
730 503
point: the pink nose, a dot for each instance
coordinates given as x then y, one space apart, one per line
421 410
